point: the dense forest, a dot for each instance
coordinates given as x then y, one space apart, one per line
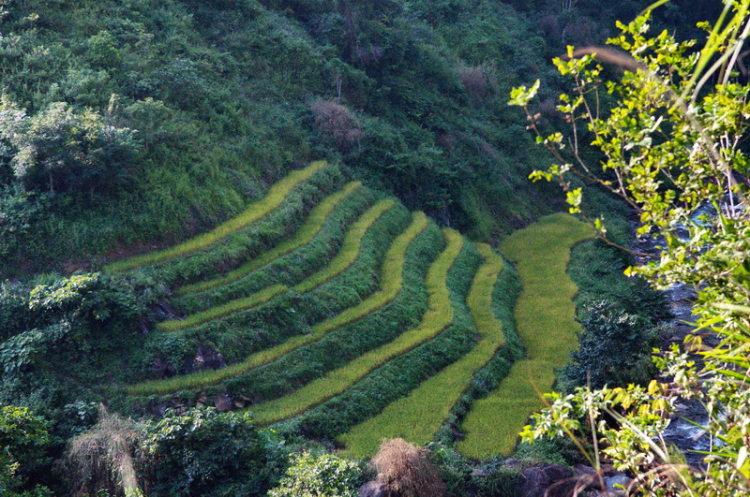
240 240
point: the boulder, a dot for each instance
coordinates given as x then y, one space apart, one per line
546 480
372 489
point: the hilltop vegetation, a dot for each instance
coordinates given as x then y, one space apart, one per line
145 122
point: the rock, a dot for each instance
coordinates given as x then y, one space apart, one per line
546 480
223 402
617 485
582 469
372 489
208 357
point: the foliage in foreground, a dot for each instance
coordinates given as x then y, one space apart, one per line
673 151
205 452
310 475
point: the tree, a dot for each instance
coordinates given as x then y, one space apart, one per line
614 348
323 475
59 150
673 149
205 452
24 439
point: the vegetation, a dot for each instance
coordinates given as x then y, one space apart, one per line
296 266
349 250
271 201
24 438
223 310
403 469
243 173
319 475
544 314
438 316
685 173
205 452
391 278
312 227
418 416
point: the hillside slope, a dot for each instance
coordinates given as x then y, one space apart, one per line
134 125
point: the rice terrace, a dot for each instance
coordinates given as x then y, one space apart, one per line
338 313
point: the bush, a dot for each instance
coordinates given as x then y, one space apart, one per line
615 349
405 471
208 453
324 475
24 440
101 458
337 122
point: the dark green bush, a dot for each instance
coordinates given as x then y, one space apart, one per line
25 443
615 349
205 452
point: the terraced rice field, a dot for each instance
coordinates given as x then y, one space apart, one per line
336 313
545 317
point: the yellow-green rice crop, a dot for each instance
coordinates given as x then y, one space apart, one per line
349 249
545 321
257 210
231 307
307 232
391 281
438 317
418 416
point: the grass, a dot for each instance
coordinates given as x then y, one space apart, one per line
345 258
545 323
231 307
350 248
391 280
257 210
419 416
307 232
438 317
292 268
398 377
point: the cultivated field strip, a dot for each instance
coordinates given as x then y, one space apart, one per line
418 416
350 248
438 317
220 311
313 224
402 374
545 321
391 280
344 259
256 211
346 343
290 313
294 267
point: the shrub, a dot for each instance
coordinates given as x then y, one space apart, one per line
405 471
479 81
205 452
24 439
337 122
101 459
615 349
59 150
323 475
